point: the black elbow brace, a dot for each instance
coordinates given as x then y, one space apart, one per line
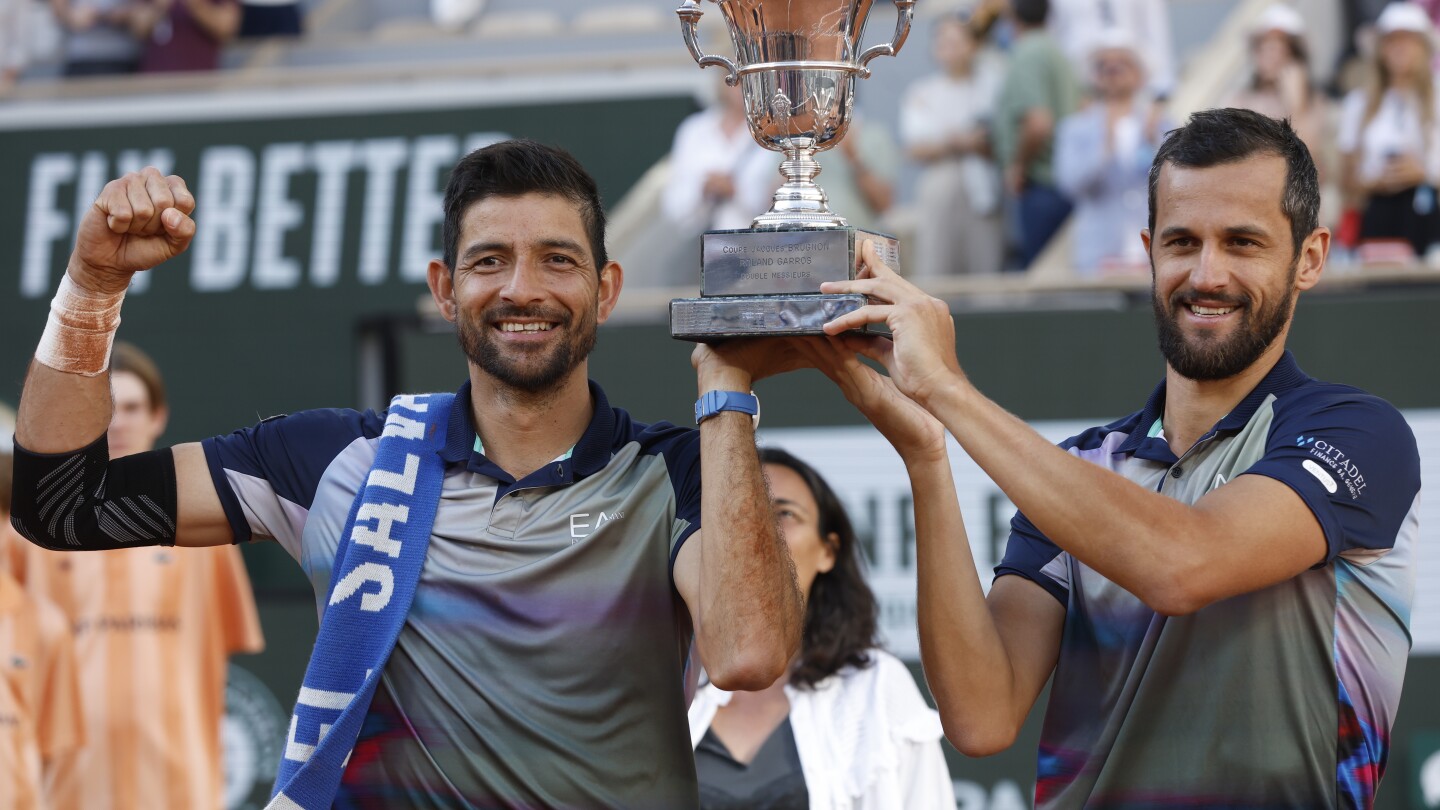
84 501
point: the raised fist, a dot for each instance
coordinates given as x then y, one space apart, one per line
138 221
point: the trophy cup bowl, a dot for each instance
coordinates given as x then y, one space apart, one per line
796 63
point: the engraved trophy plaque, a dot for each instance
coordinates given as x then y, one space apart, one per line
796 62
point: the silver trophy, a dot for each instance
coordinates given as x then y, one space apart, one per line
796 63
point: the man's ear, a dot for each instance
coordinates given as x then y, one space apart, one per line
612 278
442 288
1313 253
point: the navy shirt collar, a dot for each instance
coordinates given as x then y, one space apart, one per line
590 455
1285 375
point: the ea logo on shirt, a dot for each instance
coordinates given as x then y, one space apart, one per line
583 523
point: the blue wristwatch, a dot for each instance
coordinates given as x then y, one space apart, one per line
714 402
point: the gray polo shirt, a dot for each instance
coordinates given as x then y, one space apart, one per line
543 660
1279 698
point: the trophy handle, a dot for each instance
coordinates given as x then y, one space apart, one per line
906 12
689 13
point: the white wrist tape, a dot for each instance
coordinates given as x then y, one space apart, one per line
80 331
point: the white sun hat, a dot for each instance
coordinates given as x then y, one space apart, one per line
1279 17
1405 16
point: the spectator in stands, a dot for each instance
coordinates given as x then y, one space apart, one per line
39 692
13 47
184 35
1039 90
1279 84
1076 24
858 174
271 18
944 122
1102 160
846 725
98 36
720 178
1389 139
155 627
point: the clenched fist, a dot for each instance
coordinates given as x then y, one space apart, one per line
139 221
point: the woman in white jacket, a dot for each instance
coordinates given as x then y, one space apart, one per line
847 727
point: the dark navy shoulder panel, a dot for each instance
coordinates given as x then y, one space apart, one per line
1094 437
680 447
1028 550
1027 553
1350 456
290 453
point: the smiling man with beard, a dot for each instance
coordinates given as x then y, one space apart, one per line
1221 582
541 634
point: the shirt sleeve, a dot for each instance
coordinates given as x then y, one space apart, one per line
681 450
266 475
1353 460
239 621
1030 554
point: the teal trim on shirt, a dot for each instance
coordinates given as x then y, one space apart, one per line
480 448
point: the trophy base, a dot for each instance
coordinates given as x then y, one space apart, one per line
714 318
785 261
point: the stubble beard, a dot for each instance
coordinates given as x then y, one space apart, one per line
1206 358
529 371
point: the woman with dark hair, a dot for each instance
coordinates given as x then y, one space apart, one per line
847 727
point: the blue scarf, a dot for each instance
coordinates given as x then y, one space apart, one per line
377 568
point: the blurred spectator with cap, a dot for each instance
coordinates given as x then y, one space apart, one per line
944 122
1102 160
1389 140
1076 24
1279 84
1039 90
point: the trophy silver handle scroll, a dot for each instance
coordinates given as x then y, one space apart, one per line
690 14
906 12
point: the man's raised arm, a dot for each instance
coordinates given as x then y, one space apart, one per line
69 495
735 574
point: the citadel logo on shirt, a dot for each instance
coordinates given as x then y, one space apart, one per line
1339 463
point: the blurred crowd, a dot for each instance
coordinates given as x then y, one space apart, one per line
1041 118
118 37
1048 112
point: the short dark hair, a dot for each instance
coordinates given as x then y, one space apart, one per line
128 358
516 167
842 615
1031 12
1216 137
